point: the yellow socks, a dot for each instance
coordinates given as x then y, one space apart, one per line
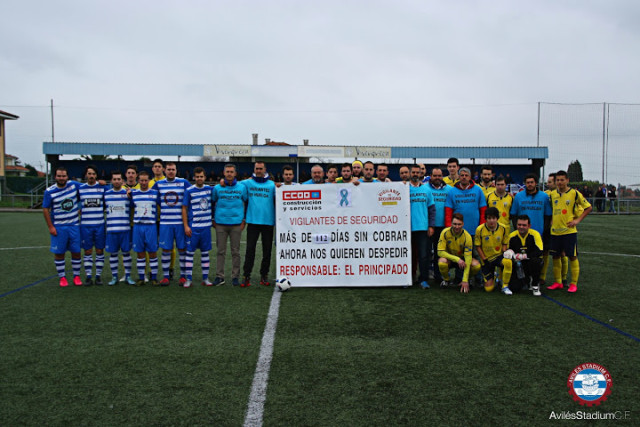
575 270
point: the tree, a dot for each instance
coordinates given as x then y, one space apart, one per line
94 157
32 171
575 171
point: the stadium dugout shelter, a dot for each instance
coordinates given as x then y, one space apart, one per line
516 160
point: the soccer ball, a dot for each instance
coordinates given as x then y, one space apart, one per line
283 284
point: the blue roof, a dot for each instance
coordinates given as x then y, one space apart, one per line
112 149
470 152
198 150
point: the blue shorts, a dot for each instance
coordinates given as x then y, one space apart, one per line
567 243
145 238
118 241
170 232
68 239
200 239
92 236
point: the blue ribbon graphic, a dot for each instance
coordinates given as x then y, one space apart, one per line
344 201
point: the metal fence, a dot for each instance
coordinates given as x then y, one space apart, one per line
615 206
21 200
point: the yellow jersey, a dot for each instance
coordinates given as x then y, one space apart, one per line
153 181
503 204
491 241
453 248
135 187
447 180
579 209
486 190
566 207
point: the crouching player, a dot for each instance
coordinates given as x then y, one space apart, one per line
196 218
455 249
118 207
525 251
491 241
145 232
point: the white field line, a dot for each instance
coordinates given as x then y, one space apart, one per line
41 247
23 247
607 253
255 408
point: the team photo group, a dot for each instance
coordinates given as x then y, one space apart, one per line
465 233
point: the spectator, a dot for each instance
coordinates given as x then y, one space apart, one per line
612 199
601 196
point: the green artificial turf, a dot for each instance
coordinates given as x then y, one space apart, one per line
373 356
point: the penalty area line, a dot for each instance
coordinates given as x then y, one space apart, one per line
28 286
255 407
593 319
612 254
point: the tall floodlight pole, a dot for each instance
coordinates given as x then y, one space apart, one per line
53 139
604 122
606 153
53 133
538 142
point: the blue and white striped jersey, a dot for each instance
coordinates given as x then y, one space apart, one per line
145 205
118 207
92 204
198 203
63 203
170 201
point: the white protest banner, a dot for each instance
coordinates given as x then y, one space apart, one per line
343 235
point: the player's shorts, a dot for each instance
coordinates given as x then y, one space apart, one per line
546 240
68 239
92 236
567 243
145 238
200 239
489 267
118 241
170 232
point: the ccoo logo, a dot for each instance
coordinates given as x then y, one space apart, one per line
302 195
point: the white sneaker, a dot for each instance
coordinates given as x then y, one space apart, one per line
507 291
444 284
536 291
187 284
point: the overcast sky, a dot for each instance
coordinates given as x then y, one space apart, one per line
414 73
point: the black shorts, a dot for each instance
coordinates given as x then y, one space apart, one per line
546 240
489 267
566 243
